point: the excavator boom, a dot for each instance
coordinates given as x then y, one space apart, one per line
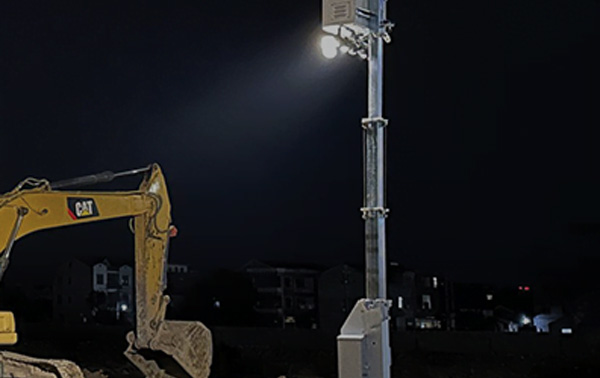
37 204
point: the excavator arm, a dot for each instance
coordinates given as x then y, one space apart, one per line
38 204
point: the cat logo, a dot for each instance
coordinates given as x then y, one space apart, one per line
79 208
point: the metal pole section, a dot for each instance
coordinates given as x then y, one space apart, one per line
374 211
364 340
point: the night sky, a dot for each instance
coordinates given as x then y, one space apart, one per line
493 138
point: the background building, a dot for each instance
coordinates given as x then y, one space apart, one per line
103 291
286 294
113 289
419 301
87 291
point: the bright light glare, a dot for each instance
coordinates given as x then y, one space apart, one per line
525 320
329 46
123 307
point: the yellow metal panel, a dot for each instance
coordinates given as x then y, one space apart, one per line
8 338
49 209
7 328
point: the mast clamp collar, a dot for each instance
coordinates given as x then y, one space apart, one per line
373 123
374 212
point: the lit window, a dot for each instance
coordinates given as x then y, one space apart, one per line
566 331
426 302
489 297
434 282
400 302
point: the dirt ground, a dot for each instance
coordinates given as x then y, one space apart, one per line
420 365
101 351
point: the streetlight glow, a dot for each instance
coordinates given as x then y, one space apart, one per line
329 46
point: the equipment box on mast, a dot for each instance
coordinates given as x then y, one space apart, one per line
359 16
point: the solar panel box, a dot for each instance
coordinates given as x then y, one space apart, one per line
361 16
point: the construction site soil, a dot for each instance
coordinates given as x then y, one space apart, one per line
99 350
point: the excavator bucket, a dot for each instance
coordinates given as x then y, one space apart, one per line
188 343
18 365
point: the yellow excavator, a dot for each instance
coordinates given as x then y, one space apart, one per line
39 204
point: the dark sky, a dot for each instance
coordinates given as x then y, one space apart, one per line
493 139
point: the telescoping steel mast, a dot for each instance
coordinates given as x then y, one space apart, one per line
360 27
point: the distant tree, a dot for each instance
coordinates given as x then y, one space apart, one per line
25 308
96 300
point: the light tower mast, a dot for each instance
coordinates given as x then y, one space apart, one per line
360 28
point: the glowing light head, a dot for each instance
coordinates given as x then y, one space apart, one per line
345 32
329 46
124 307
